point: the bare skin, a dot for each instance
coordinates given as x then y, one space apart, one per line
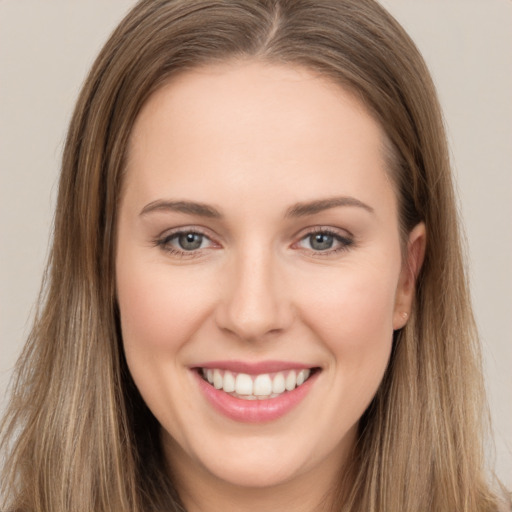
278 178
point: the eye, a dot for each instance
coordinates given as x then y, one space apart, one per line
189 241
184 242
325 241
321 241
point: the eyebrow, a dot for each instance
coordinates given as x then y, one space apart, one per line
297 210
312 207
190 207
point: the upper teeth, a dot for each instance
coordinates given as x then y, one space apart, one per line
250 387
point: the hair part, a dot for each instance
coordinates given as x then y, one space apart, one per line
78 435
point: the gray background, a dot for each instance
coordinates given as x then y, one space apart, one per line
46 48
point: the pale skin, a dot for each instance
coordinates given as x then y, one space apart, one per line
255 143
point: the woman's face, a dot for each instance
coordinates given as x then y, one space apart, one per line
258 244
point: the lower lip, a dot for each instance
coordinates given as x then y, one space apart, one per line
254 411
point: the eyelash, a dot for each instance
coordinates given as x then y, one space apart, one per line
164 243
345 242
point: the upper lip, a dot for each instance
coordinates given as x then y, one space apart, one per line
254 368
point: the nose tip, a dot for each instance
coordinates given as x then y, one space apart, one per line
250 324
255 303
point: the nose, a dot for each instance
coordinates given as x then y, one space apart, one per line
255 299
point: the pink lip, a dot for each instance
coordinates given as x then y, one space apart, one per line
254 411
253 368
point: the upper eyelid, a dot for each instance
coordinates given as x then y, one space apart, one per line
163 240
342 233
205 231
341 238
185 229
303 233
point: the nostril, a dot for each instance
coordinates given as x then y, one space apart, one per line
254 302
253 322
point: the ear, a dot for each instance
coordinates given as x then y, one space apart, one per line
410 269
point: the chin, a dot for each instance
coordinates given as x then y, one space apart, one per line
259 461
254 472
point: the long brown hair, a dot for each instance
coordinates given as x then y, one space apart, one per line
77 435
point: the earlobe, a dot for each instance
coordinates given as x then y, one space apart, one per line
411 267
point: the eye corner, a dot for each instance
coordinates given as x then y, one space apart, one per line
174 242
330 241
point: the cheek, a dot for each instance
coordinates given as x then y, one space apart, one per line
160 312
353 320
148 313
353 301
159 309
352 315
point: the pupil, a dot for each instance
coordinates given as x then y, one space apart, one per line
321 242
190 241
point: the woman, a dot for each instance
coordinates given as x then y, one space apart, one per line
256 297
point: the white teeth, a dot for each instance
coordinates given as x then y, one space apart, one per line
278 385
262 385
217 379
229 382
256 386
302 376
243 384
291 380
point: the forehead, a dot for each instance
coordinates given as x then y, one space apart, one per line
254 94
250 125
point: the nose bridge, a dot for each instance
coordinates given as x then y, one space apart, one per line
255 300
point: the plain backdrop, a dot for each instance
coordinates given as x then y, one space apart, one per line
46 48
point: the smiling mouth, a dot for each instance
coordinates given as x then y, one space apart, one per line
256 387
